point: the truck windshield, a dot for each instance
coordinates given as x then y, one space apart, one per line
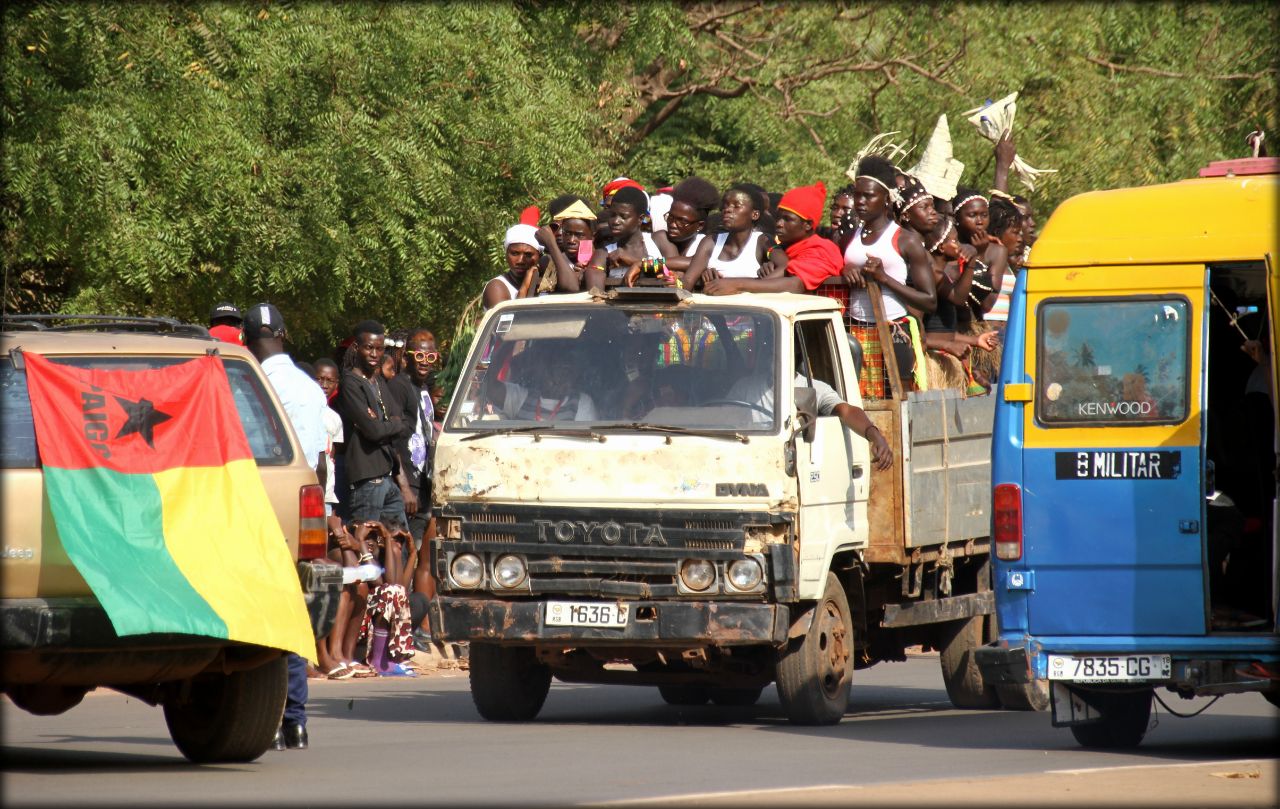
621 368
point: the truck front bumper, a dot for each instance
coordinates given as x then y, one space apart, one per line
1003 665
652 623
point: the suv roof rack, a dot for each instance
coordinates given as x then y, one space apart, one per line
62 323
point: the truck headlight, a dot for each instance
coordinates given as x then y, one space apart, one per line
509 571
467 570
745 574
697 574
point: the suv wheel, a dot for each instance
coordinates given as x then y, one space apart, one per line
231 717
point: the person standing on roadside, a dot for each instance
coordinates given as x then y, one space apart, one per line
224 323
414 397
304 405
379 489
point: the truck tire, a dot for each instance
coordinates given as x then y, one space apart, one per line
508 684
814 671
230 717
1125 717
685 694
1032 696
956 641
736 697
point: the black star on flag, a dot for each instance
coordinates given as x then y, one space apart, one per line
143 418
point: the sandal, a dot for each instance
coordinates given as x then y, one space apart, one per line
360 670
342 671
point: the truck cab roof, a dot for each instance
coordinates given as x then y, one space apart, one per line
786 304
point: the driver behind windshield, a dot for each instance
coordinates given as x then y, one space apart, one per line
553 393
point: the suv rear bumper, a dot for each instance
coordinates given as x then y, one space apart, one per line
321 582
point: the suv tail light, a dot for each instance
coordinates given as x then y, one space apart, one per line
1007 521
313 538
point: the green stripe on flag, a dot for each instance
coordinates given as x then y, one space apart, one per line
112 527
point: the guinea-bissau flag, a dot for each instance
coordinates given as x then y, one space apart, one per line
158 502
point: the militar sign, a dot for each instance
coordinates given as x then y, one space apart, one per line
157 499
1118 465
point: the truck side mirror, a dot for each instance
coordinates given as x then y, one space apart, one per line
807 408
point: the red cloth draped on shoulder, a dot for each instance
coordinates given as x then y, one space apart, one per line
814 260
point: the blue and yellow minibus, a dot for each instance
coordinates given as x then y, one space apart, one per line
1134 454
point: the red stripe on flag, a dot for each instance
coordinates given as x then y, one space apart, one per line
134 421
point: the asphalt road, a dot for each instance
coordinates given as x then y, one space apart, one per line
398 741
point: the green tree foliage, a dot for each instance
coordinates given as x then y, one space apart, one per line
347 160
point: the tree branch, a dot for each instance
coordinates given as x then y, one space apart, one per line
1169 74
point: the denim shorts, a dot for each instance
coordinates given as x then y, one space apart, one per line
378 499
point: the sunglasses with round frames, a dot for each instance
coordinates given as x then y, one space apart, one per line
429 357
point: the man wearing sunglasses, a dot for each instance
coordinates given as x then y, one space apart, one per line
413 396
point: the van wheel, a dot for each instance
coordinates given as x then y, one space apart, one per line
685 694
508 684
956 642
1125 716
231 717
1033 696
1273 697
736 697
814 671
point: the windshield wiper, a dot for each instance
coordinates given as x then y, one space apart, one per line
672 429
537 430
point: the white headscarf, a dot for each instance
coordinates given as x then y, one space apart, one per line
521 234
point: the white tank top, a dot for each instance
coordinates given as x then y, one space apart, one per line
650 251
692 246
746 265
515 293
894 266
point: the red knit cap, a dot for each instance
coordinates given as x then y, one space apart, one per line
612 187
808 201
529 216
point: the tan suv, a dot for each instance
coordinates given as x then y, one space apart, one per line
222 700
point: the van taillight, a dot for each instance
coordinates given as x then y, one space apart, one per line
313 538
1007 521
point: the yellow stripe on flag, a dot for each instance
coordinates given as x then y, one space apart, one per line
223 535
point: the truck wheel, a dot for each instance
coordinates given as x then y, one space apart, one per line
230 717
1125 716
1032 696
508 684
736 697
956 641
685 694
814 671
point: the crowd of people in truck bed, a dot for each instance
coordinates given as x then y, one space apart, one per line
943 258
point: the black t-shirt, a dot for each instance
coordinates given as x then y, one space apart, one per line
371 426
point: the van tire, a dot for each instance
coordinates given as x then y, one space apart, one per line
508 684
229 717
1125 717
1273 697
1033 696
685 694
736 697
957 642
815 670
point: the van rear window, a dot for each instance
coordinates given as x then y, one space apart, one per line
267 436
1113 361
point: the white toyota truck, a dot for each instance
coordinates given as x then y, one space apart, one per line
635 488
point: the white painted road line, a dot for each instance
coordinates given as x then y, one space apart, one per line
1234 763
693 796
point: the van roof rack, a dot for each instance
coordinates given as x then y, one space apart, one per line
65 323
1242 167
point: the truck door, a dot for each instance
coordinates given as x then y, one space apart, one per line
1113 497
834 469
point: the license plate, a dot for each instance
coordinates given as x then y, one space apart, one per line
1109 668
587 613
